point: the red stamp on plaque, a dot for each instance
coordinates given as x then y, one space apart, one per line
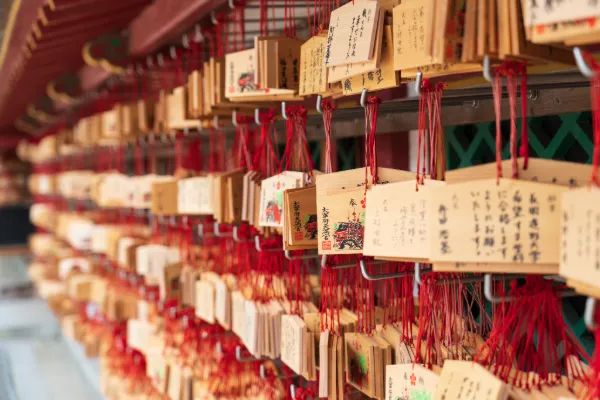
327 245
299 236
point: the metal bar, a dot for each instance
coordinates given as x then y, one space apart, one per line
589 313
240 358
369 277
288 255
339 266
489 295
259 248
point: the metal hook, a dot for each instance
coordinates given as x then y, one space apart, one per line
418 273
173 53
363 98
234 118
283 112
369 277
257 116
293 390
216 121
149 61
339 266
218 231
213 18
231 4
583 66
487 70
259 248
185 41
489 295
199 37
288 255
201 232
160 59
320 104
238 356
236 238
418 83
588 315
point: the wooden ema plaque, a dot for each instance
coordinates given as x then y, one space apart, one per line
398 227
513 222
542 171
580 239
351 35
341 208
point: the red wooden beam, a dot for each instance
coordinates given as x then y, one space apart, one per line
164 20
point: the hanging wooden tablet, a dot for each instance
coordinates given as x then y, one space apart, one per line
194 94
410 380
271 196
510 221
313 75
351 35
558 11
523 48
110 131
177 117
346 71
128 119
207 89
384 77
469 50
360 362
195 196
398 227
580 239
413 35
472 380
341 211
287 56
300 231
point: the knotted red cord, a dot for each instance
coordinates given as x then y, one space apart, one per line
328 109
429 147
513 71
531 335
371 113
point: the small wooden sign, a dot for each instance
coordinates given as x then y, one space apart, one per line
511 222
351 35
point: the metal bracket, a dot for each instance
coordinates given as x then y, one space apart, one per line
418 83
217 230
339 266
283 112
588 314
320 104
288 255
487 69
363 98
236 238
489 295
583 66
201 232
259 248
369 277
257 116
238 356
418 273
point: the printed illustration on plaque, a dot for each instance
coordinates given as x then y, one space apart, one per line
348 234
